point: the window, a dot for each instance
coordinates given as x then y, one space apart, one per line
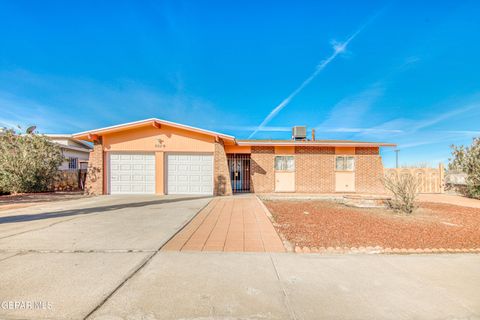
284 163
72 163
345 163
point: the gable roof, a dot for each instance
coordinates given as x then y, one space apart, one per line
152 121
87 135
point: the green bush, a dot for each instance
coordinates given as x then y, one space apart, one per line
28 162
467 160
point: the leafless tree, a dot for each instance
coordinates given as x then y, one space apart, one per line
404 189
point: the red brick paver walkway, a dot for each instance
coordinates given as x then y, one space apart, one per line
237 223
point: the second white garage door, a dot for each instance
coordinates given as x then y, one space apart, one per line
190 174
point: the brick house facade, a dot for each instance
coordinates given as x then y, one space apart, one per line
157 156
315 170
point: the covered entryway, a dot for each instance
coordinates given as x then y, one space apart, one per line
239 169
131 173
190 174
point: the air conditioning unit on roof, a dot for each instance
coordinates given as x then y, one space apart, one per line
299 133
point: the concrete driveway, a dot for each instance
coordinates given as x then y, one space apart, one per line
99 258
73 254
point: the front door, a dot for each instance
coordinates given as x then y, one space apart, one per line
239 167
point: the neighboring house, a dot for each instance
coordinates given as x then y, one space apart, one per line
76 152
162 157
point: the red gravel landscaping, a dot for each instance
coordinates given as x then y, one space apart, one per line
330 224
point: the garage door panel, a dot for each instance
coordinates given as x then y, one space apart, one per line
181 189
195 169
189 174
132 173
195 179
206 189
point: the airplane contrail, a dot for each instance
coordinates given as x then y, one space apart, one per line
338 48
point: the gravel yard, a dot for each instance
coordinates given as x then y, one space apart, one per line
22 200
316 223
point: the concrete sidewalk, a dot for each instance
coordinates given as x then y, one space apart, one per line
449 199
294 286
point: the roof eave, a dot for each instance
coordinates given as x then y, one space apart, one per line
318 144
85 134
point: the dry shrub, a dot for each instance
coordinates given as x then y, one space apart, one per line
404 191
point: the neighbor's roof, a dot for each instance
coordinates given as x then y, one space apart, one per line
130 125
337 143
54 136
67 147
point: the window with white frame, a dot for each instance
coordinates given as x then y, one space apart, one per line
345 163
284 163
72 163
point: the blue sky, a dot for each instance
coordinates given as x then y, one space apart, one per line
405 72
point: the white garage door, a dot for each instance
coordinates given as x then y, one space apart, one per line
132 173
190 174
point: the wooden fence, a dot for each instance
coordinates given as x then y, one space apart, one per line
430 180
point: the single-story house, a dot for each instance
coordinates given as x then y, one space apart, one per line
155 156
76 152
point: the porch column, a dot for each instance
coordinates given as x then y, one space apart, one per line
222 185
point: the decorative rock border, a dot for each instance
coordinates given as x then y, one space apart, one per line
380 250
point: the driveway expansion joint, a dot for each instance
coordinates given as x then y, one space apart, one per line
142 264
79 251
287 302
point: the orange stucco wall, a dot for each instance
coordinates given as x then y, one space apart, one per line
159 141
237 149
166 139
345 150
159 172
284 150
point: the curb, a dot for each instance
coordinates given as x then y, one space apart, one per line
380 250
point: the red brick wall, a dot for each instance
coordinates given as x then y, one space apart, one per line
262 169
222 185
367 151
315 169
368 171
95 172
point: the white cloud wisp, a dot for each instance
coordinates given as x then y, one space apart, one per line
338 48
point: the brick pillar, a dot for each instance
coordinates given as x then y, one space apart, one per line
222 185
262 173
94 181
